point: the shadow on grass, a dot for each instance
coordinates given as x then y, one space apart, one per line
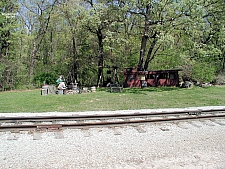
149 89
143 91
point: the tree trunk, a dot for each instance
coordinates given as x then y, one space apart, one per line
74 64
33 55
150 51
74 71
145 37
223 62
101 56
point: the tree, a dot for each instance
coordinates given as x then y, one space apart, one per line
160 21
8 38
156 18
84 37
200 40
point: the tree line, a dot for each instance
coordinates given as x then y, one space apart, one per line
85 38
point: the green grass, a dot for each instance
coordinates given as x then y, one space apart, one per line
130 98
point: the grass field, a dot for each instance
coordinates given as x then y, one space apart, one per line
102 99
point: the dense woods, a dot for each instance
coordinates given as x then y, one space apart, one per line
41 39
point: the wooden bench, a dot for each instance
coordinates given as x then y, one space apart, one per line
115 88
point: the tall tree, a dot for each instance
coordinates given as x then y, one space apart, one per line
38 25
8 37
159 19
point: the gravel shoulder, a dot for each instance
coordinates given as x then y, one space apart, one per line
163 145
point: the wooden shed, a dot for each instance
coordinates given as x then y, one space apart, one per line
135 78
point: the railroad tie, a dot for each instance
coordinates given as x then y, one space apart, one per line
50 127
194 124
13 136
115 130
164 129
59 135
181 125
140 129
208 123
86 132
37 136
218 122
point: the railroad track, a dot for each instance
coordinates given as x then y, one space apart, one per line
89 121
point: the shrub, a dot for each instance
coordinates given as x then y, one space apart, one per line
199 71
220 79
203 72
47 78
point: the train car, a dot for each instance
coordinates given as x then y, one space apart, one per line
136 78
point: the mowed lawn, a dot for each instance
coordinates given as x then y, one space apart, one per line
102 99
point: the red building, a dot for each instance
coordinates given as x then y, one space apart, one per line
135 78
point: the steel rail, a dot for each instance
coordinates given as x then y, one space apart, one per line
101 124
105 116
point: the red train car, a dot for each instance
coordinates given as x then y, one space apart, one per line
135 78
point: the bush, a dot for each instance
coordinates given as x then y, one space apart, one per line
47 78
199 71
203 72
220 79
24 87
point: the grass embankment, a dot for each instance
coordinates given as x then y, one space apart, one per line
130 98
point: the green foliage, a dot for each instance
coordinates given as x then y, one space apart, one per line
63 38
168 59
203 72
45 78
24 87
8 44
199 71
220 79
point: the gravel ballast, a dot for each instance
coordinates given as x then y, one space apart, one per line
200 145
